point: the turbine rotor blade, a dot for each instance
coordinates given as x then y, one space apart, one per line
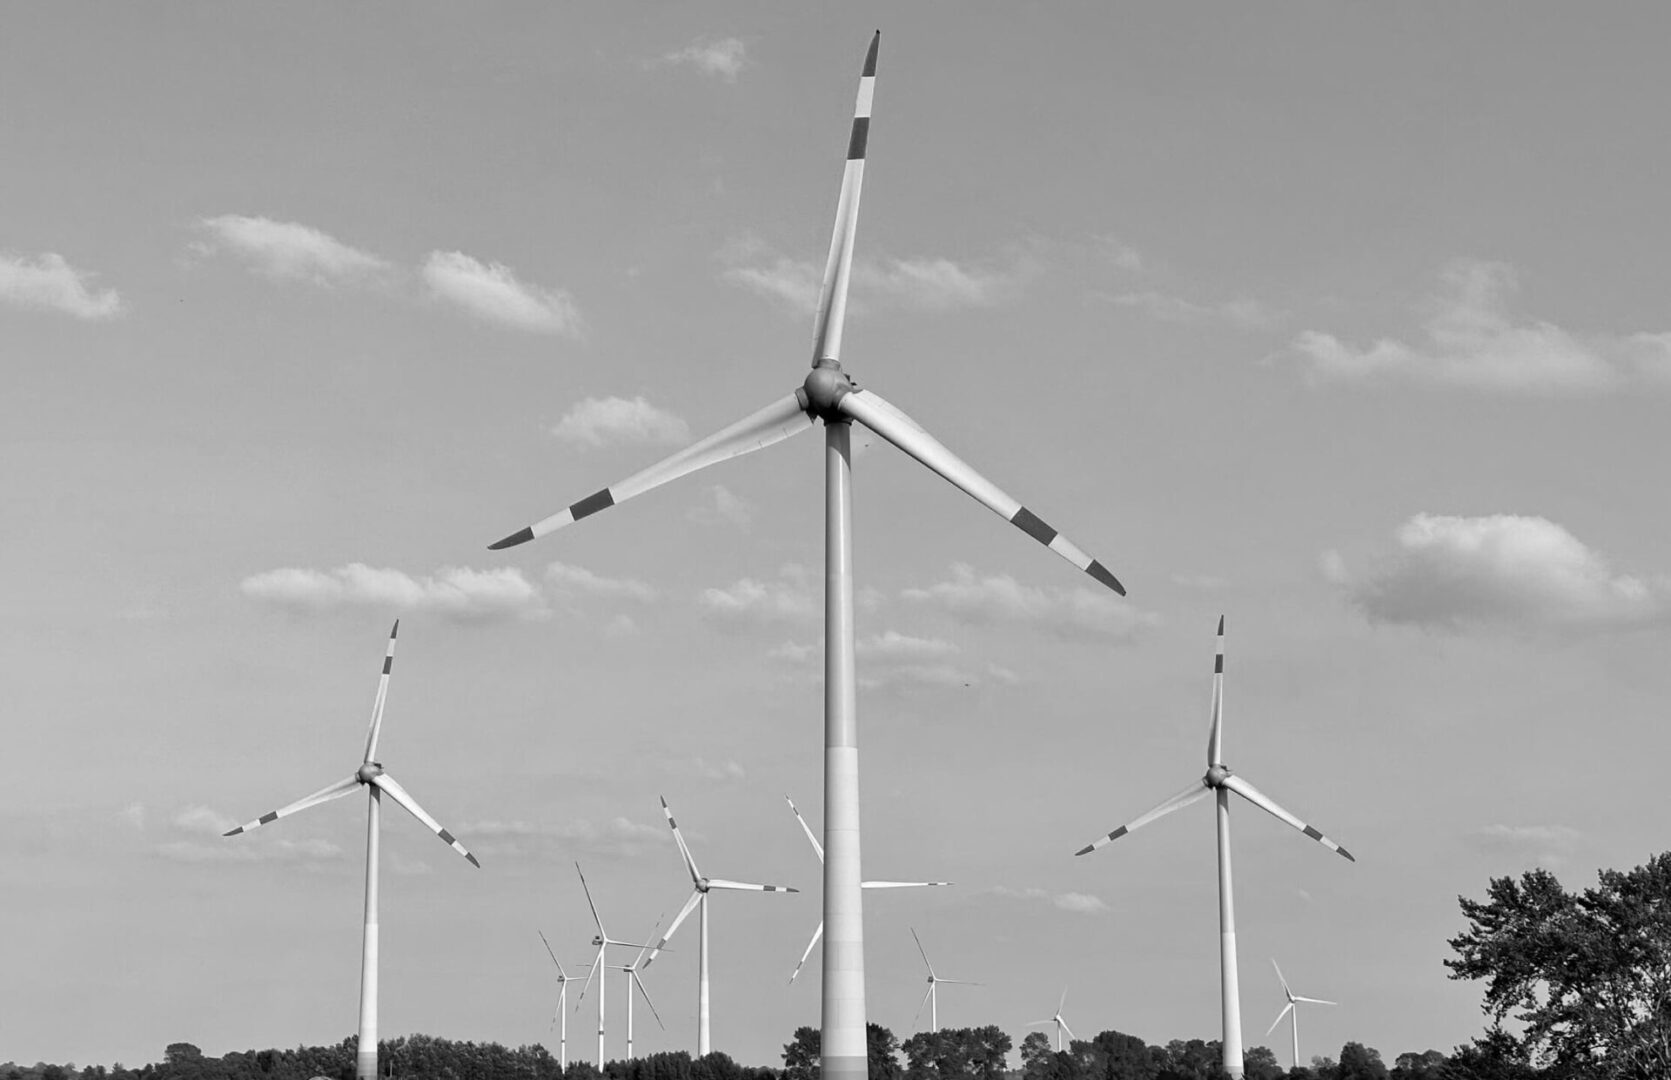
400 795
1063 1001
562 975
1194 793
592 969
1280 979
640 984
323 795
893 425
1315 1001
816 934
811 839
679 838
602 933
776 422
924 953
1067 1029
1265 803
832 293
1215 737
1286 1009
924 1002
901 884
690 905
382 695
746 886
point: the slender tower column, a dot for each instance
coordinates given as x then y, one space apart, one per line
629 1014
365 1059
845 1055
563 1027
703 1040
603 996
1296 1018
934 1007
1227 944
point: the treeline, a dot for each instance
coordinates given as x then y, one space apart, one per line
953 1054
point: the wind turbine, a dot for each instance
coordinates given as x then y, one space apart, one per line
1056 1018
830 395
699 898
633 978
561 1016
369 775
932 998
819 849
603 941
1292 1006
1220 781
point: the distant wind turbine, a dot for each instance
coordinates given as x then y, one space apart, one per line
1220 781
932 998
829 394
1056 1018
1292 1007
560 1018
819 849
699 898
369 775
603 941
633 979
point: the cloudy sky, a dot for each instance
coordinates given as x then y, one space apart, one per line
1349 324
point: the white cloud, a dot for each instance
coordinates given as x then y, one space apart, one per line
1204 582
893 661
51 283
794 652
133 814
757 603
620 626
617 836
1506 572
1544 845
722 57
492 293
793 282
893 645
1121 254
201 819
456 592
921 284
1002 599
206 822
703 769
725 507
1472 342
289 251
600 421
1077 902
572 578
1240 312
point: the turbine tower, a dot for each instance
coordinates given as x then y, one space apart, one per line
932 998
819 850
830 395
633 979
699 898
560 1018
1056 1018
603 941
369 775
1292 1006
1220 781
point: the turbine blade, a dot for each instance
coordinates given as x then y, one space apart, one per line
811 839
1286 1009
1063 1001
1215 737
592 969
1264 802
920 1006
323 795
1315 1001
832 293
776 422
893 425
1038 1023
382 695
679 838
924 953
602 933
1195 792
900 884
640 984
1069 1030
390 785
816 934
561 974
1286 992
748 886
645 948
690 905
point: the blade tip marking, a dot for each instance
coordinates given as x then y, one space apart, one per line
271 816
396 631
234 832
870 56
521 536
1347 854
1101 574
861 135
473 860
1034 526
591 504
1221 626
1086 850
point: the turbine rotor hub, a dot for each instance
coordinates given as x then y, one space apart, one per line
368 772
1216 776
701 885
825 385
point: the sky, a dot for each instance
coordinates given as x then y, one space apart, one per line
1347 323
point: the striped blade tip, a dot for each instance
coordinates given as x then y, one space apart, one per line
870 57
1221 626
1100 572
521 536
1347 854
234 832
473 860
1086 850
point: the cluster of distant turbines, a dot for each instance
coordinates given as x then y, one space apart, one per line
830 395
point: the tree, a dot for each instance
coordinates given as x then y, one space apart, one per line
1359 1062
1260 1064
1423 1066
1587 974
802 1055
882 1052
1036 1055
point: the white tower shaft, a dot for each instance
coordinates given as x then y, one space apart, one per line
1227 944
365 1058
704 1042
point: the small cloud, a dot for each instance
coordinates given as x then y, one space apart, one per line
893 645
210 824
920 284
1121 254
405 867
724 507
722 57
289 251
794 653
793 282
620 626
618 836
203 820
133 814
578 579
455 592
1544 845
1064 612
1504 572
492 293
601 421
1240 312
52 284
1471 341
1204 582
703 769
758 603
1077 902
1333 567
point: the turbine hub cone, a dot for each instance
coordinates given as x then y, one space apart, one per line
1215 776
701 885
368 772
825 385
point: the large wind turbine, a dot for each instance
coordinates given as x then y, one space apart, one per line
561 1016
369 775
699 898
830 395
932 998
1056 1018
603 941
1293 1007
1220 781
819 850
634 979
